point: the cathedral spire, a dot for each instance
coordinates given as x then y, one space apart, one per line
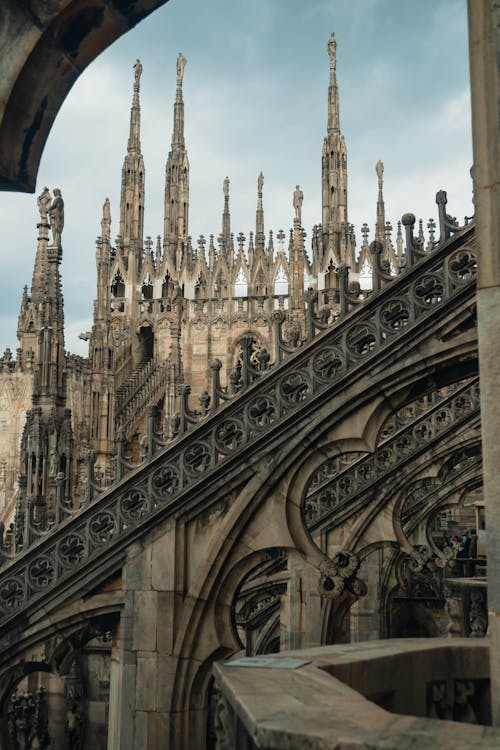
34 308
133 176
226 218
334 173
41 263
296 255
259 217
134 139
102 302
175 228
380 224
333 91
46 443
178 132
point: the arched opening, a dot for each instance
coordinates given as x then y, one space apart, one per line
365 276
146 342
167 286
117 293
281 282
241 285
147 294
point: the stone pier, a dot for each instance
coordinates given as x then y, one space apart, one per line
484 43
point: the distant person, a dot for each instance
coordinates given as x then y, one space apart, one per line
466 540
472 552
445 542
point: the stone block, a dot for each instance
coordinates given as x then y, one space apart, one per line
141 732
158 735
163 562
96 712
145 617
145 689
167 667
137 569
165 622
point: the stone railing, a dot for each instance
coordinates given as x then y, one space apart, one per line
339 489
387 695
438 284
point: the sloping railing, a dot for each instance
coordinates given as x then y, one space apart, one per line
433 286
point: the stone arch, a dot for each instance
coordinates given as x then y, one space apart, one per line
146 341
50 46
450 492
244 539
268 642
394 498
335 622
15 674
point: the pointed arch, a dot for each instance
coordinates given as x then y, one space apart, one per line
281 280
147 287
241 283
260 280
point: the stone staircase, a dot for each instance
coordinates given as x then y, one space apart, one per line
144 387
436 288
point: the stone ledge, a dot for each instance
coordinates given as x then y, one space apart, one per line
310 707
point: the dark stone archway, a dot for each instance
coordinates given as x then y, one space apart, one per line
43 48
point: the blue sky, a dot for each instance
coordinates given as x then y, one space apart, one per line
255 93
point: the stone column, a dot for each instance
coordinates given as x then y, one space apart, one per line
484 45
300 615
143 668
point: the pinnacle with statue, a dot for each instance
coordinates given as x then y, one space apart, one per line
181 64
51 212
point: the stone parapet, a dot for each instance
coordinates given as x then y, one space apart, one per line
331 700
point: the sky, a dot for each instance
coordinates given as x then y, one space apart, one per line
255 95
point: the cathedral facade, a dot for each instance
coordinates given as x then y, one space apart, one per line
170 314
258 454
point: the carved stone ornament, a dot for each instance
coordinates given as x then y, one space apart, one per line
339 573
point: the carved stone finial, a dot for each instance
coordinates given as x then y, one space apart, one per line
332 51
181 64
298 198
225 187
408 220
260 182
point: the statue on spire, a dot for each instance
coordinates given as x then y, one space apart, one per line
137 73
106 219
43 202
181 64
298 198
56 214
379 168
225 187
260 182
332 51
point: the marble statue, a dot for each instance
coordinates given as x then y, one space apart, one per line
298 198
138 71
181 64
56 215
43 202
